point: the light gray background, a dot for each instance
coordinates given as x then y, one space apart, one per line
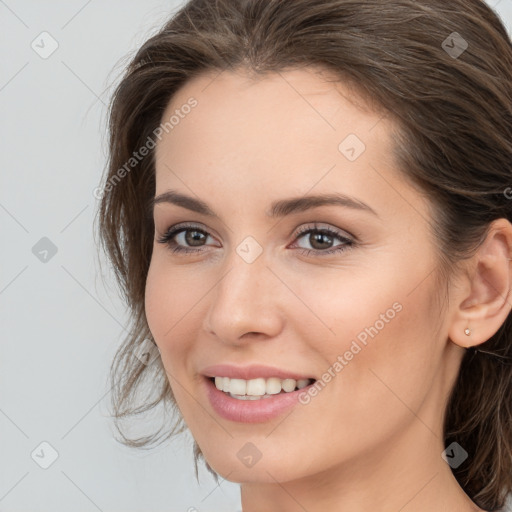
60 326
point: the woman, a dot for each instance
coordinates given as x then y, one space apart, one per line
308 208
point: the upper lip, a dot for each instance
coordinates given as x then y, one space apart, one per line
253 371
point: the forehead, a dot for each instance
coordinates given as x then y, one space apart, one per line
278 120
230 98
249 141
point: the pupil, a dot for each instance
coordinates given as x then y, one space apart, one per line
196 237
320 238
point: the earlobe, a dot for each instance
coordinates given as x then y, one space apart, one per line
482 310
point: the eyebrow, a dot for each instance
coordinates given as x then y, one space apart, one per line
278 208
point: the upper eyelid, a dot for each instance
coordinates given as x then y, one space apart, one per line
178 228
337 231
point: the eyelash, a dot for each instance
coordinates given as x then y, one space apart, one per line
175 248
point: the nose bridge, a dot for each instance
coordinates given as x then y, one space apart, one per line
244 300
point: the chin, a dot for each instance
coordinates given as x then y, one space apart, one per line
239 468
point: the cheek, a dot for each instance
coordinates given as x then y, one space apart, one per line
377 341
169 305
171 317
157 301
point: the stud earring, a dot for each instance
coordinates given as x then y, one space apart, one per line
467 331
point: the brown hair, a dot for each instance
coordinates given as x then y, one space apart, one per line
454 115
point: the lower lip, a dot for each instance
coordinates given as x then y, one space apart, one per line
251 411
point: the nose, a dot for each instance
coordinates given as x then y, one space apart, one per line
246 303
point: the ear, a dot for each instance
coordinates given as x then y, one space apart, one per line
484 300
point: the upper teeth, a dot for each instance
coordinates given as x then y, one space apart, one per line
258 387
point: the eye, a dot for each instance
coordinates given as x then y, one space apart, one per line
322 239
177 238
189 238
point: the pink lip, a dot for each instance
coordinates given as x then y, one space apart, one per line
250 372
250 411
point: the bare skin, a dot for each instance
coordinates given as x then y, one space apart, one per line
371 439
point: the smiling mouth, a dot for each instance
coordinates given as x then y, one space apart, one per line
259 388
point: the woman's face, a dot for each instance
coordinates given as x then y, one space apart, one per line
267 292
